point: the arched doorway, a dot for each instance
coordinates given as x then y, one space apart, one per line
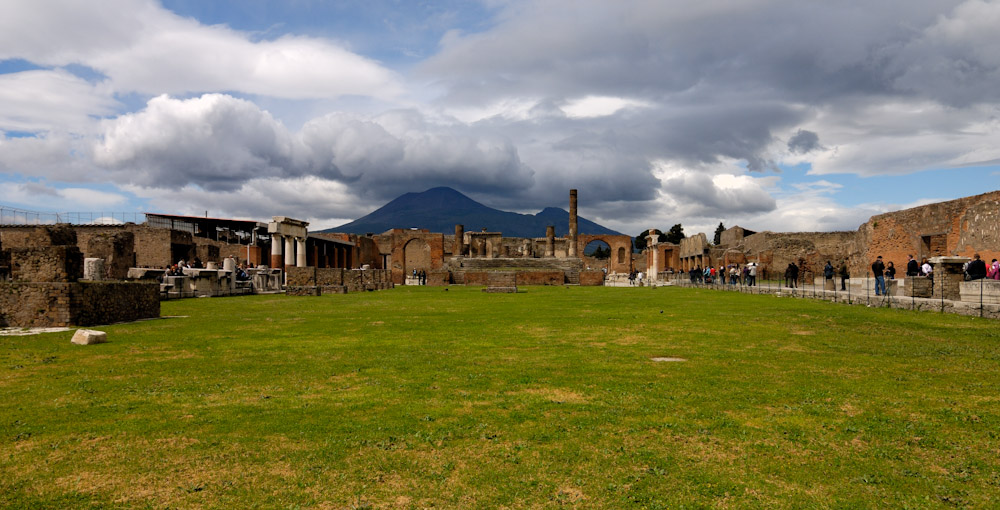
597 255
416 256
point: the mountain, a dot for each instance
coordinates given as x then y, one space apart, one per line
440 209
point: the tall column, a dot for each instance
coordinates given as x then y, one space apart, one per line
572 223
550 241
457 250
289 251
300 252
276 251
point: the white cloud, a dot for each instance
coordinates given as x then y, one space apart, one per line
51 100
60 199
599 106
143 48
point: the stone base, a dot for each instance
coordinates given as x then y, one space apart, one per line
500 290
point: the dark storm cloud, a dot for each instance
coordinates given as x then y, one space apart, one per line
803 142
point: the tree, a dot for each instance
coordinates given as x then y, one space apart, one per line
718 233
641 241
676 234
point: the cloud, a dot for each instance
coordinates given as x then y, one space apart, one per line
803 142
218 142
51 100
143 48
63 199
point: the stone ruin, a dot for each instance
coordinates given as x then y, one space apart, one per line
468 258
44 284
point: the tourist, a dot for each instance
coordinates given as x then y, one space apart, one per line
791 275
890 271
977 268
928 271
994 272
844 275
197 263
752 273
828 271
878 270
912 269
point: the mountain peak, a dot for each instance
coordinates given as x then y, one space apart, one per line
440 209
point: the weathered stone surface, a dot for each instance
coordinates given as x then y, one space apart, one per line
93 269
89 337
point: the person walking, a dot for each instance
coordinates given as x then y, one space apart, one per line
844 275
753 274
878 270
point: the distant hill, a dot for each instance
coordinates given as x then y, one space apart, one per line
440 209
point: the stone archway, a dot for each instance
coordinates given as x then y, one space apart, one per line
621 250
597 254
416 256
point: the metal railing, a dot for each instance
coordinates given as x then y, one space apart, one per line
14 216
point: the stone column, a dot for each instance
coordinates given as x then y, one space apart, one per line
572 223
550 241
289 251
300 252
458 250
651 241
276 261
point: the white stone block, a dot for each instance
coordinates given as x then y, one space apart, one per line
93 269
89 337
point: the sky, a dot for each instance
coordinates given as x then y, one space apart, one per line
771 115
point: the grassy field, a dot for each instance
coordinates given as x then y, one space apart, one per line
421 397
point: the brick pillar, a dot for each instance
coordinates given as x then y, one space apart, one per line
947 277
276 260
572 223
550 241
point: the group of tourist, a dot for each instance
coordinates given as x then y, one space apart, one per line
421 276
178 268
976 269
634 276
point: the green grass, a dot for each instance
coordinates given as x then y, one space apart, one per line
420 397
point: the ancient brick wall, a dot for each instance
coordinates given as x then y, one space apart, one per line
809 250
160 247
329 276
46 264
959 227
94 303
300 276
54 304
536 277
501 280
591 278
476 278
30 304
116 248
